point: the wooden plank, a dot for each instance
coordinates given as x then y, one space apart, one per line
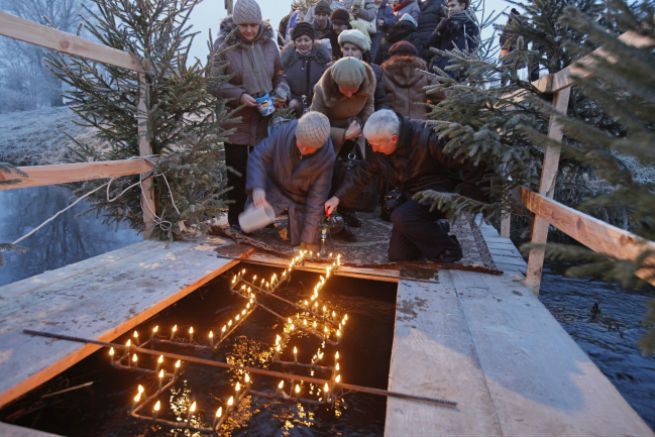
564 78
506 225
539 380
547 187
383 275
41 175
148 205
44 36
594 233
433 355
116 300
7 430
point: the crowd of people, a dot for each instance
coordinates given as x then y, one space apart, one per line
352 73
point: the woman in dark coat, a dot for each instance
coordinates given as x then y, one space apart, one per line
385 20
246 51
292 170
401 31
340 21
432 12
304 62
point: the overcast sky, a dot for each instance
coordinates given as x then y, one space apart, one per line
208 14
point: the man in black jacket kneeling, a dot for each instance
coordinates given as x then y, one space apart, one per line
409 154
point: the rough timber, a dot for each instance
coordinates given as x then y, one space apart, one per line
484 341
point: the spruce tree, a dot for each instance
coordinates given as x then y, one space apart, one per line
185 121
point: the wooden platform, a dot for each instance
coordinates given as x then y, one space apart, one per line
489 344
481 340
101 298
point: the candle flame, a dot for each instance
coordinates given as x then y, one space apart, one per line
161 374
297 389
254 278
336 355
229 322
193 407
137 397
155 329
174 329
280 386
219 412
111 352
246 378
157 406
334 315
178 363
243 271
326 388
191 330
337 367
337 379
135 334
237 317
295 350
135 358
211 334
140 389
292 327
128 343
338 333
223 329
243 312
230 401
160 360
237 387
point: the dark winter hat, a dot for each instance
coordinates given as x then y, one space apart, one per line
340 16
322 7
403 48
303 29
247 12
348 72
313 129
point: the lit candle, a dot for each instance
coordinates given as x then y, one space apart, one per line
337 367
155 331
229 323
173 331
278 339
160 361
237 317
334 315
136 337
326 388
217 416
295 354
246 378
112 352
156 408
223 330
243 272
297 390
160 377
211 338
178 363
336 356
337 379
254 278
191 334
230 401
135 360
280 385
139 393
237 387
243 311
192 409
338 333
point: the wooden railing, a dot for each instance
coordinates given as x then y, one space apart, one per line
44 36
593 233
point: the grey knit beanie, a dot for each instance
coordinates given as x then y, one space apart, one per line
348 72
313 129
247 12
356 38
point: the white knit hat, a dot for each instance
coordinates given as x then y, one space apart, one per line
356 38
313 129
247 12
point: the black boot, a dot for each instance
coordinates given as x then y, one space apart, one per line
453 253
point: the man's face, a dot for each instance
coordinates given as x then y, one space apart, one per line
305 150
382 143
454 6
322 20
249 31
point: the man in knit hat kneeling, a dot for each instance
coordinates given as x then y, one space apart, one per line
292 170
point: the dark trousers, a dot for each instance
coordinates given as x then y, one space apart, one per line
236 157
416 234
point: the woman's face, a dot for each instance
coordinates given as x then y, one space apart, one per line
349 49
339 27
249 31
348 91
304 44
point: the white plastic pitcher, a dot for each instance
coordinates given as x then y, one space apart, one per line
254 218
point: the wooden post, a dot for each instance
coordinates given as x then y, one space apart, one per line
547 189
145 149
505 224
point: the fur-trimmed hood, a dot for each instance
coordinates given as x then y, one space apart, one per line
401 70
330 89
319 53
228 35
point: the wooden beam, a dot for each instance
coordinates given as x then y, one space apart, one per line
597 235
547 188
41 175
564 78
148 205
44 36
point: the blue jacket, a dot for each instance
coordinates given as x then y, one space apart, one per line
299 184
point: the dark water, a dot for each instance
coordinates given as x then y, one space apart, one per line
73 236
102 409
610 337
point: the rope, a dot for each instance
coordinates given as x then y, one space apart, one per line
164 225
